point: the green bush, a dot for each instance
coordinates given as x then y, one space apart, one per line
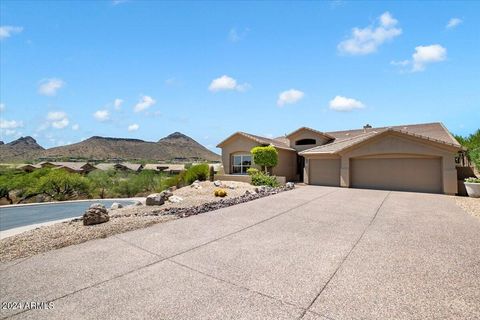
252 171
266 157
197 172
472 180
263 179
62 185
472 143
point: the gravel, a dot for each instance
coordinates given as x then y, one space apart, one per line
195 201
470 205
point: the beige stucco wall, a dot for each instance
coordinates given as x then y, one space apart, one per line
306 134
396 145
237 144
287 164
287 160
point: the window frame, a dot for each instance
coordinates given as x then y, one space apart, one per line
243 167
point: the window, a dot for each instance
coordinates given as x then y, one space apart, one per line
303 142
241 163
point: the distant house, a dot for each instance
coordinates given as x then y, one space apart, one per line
125 166
29 167
75 167
165 167
417 157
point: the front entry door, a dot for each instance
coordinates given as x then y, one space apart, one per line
300 167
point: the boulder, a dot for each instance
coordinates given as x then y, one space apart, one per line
155 199
175 199
97 213
290 185
217 183
172 188
166 194
137 203
116 205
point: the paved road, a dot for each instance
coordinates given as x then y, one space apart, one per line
312 253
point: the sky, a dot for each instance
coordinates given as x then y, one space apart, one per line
144 69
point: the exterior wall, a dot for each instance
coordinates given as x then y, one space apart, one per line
236 145
287 164
287 160
306 134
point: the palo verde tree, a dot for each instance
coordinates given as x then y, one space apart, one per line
265 157
62 185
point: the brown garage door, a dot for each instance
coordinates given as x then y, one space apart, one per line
324 172
403 174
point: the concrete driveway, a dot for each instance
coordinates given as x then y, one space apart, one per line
312 253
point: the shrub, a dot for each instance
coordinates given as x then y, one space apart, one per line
220 193
62 185
266 157
472 180
197 172
252 171
263 179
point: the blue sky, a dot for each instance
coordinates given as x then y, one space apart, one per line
144 69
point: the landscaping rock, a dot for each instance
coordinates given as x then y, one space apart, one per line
96 214
166 194
155 199
196 185
116 205
217 183
172 188
175 199
290 185
137 203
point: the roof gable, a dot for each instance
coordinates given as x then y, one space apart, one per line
326 135
257 139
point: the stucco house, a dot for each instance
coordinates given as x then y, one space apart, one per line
416 157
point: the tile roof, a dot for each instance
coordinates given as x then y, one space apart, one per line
325 134
345 143
282 144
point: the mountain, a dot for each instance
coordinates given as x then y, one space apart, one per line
176 146
24 146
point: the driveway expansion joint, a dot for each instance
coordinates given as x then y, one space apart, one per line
346 256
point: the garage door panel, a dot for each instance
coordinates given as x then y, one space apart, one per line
325 172
403 174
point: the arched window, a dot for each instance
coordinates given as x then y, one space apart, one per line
303 142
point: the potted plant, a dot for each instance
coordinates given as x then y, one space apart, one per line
473 187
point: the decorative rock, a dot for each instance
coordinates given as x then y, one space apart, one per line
137 203
290 185
116 205
231 187
196 185
172 188
166 194
175 199
95 214
155 199
217 183
97 206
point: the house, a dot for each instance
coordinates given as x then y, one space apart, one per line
418 157
125 166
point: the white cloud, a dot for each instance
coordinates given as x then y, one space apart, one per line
117 103
8 31
235 36
58 119
10 124
427 54
101 115
133 127
227 83
144 103
289 97
49 87
340 103
401 63
368 39
452 23
75 127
